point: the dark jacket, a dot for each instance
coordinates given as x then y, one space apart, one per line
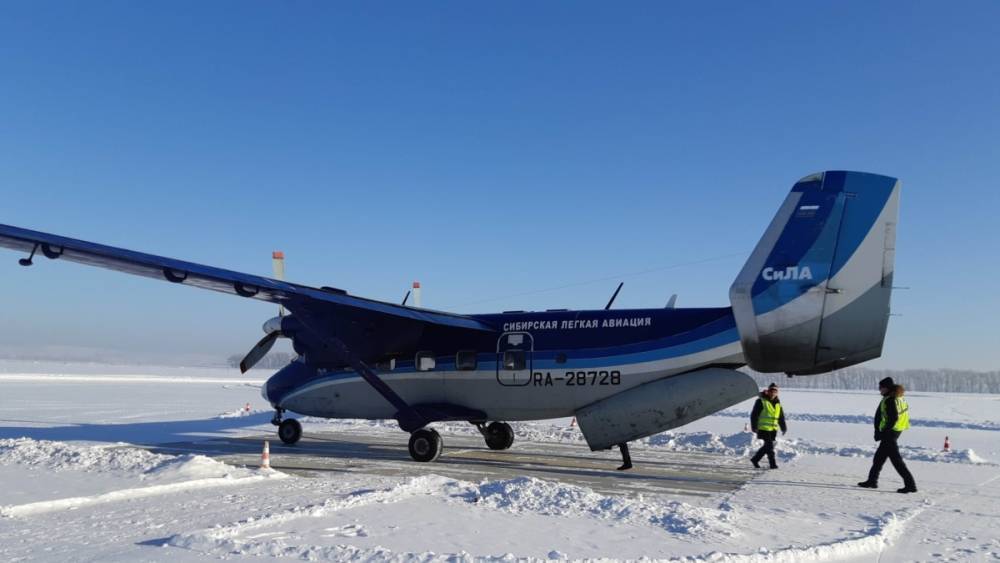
757 406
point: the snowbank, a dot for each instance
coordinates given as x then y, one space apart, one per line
168 474
251 536
122 459
882 534
266 536
527 494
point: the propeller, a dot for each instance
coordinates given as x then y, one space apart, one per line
259 351
271 327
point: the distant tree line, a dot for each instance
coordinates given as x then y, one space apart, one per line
945 380
274 360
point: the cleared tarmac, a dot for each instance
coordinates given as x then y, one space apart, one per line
467 458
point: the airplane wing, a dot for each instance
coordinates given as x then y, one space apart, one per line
226 281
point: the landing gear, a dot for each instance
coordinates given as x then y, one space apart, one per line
425 445
498 435
276 419
289 431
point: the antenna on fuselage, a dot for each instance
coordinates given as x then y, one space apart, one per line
612 300
405 297
672 302
278 261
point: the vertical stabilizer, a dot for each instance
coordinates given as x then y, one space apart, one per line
814 295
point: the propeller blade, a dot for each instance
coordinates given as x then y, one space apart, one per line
258 351
278 262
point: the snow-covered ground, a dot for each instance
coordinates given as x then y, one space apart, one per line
74 487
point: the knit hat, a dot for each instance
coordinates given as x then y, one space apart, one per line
772 386
887 382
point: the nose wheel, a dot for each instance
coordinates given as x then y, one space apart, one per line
498 435
425 445
289 431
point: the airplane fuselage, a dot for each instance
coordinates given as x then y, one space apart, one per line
537 365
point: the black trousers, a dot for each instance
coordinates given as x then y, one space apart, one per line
889 449
768 448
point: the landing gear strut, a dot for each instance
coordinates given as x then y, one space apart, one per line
425 445
289 431
498 435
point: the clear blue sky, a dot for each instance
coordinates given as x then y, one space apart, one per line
488 150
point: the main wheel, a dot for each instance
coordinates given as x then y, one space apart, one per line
499 436
289 431
425 445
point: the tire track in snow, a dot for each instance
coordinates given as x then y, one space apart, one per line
883 534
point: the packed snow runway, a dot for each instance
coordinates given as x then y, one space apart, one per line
116 463
467 458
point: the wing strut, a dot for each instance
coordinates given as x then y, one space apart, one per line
408 417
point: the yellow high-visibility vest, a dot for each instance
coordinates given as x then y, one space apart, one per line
902 411
770 412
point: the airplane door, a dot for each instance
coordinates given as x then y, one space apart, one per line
514 351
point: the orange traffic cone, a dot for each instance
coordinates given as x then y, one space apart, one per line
247 408
572 423
265 456
947 444
746 426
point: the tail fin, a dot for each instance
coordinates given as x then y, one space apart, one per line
814 295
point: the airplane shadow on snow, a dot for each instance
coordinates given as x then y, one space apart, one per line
143 433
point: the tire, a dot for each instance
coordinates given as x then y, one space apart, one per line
289 431
425 445
499 436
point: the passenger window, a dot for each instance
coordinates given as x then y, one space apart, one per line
386 365
514 360
465 360
425 361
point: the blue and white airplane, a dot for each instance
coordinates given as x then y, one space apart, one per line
813 297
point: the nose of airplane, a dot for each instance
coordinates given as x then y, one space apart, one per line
286 380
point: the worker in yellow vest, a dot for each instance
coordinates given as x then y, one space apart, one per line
891 418
765 419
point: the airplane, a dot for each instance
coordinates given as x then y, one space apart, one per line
812 297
